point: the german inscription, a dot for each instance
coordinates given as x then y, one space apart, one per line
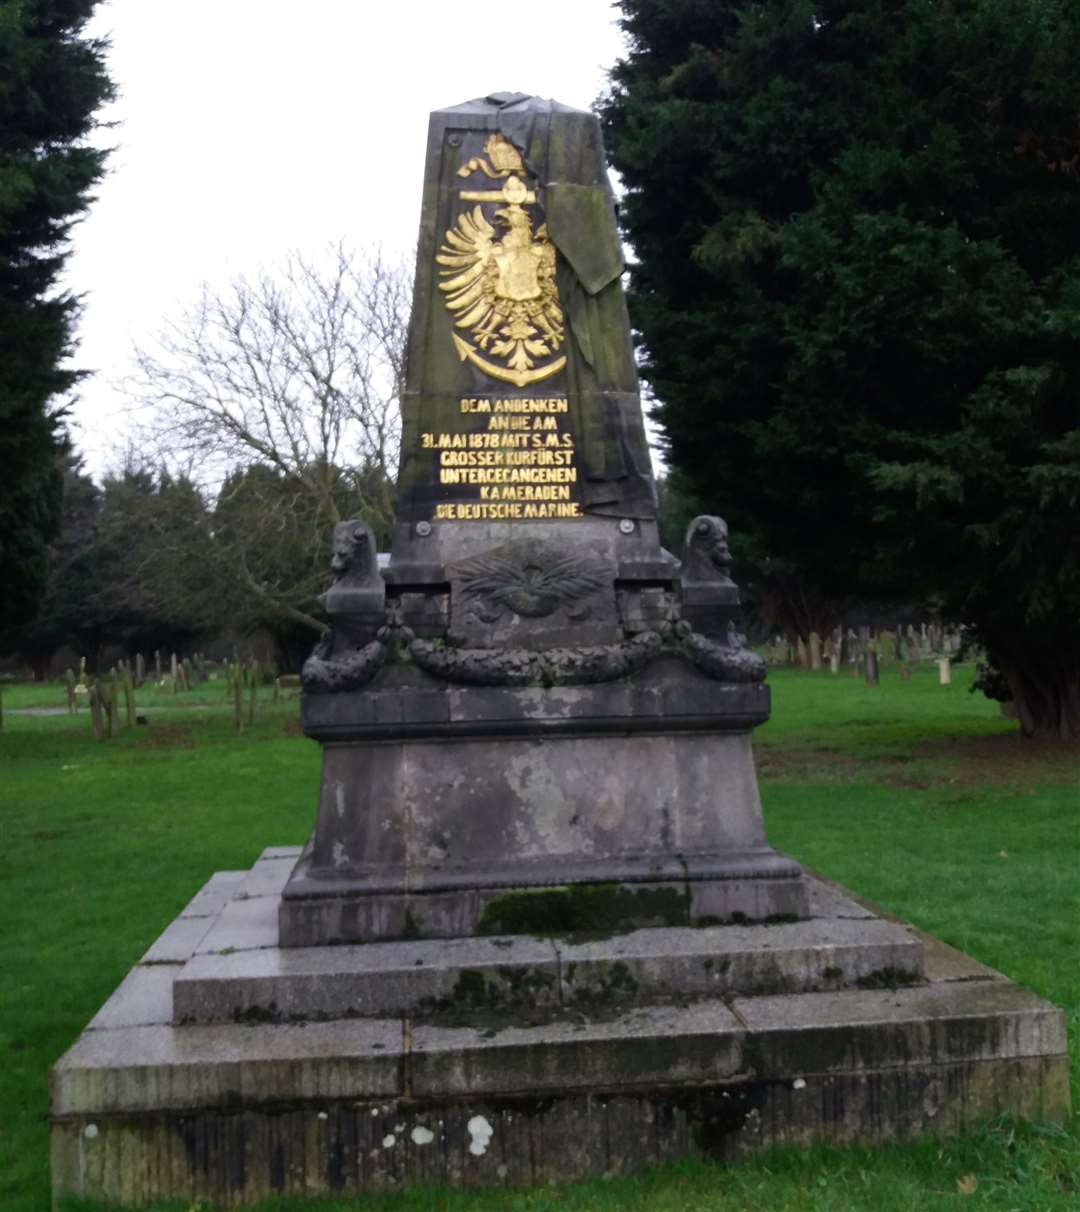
506 460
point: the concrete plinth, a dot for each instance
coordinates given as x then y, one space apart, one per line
226 1068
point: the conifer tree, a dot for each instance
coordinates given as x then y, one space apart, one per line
52 82
858 294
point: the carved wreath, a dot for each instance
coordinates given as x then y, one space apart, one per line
532 580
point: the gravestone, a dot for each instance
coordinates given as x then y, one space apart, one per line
537 932
537 697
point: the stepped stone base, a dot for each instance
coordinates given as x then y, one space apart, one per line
226 1068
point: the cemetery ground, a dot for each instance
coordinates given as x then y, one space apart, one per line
917 796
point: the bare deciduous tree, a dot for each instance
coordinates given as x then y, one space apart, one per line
296 372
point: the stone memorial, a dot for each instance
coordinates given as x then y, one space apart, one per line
538 930
541 702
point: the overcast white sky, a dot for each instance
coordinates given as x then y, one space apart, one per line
251 127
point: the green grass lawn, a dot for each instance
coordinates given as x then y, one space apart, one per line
914 794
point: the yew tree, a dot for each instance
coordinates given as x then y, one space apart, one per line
52 83
857 289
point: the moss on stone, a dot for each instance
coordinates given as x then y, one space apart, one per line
524 983
888 978
605 983
493 1000
593 910
253 1016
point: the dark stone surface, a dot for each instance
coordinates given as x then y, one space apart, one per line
408 705
532 711
563 162
339 1146
239 974
403 819
707 593
349 654
528 593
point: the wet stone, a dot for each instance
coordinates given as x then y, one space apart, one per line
178 941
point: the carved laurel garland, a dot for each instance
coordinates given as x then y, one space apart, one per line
323 674
524 667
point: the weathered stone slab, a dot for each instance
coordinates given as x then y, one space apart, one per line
424 710
143 1109
526 814
281 852
466 975
728 960
556 798
354 1148
827 900
177 943
214 894
926 1024
156 1067
650 1045
267 877
242 926
385 915
942 962
752 899
503 973
945 963
495 907
143 998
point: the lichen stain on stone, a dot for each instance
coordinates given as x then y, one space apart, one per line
422 1136
339 800
480 1134
389 1141
436 846
340 858
533 782
607 801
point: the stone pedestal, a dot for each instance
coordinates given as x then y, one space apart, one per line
445 811
227 1068
551 721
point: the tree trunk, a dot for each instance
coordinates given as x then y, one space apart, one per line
1047 698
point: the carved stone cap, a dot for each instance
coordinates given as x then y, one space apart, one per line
520 102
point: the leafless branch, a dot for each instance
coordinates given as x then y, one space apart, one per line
299 371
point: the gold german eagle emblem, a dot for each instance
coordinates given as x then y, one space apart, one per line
499 285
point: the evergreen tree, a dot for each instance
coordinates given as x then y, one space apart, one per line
52 82
858 292
65 606
157 580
